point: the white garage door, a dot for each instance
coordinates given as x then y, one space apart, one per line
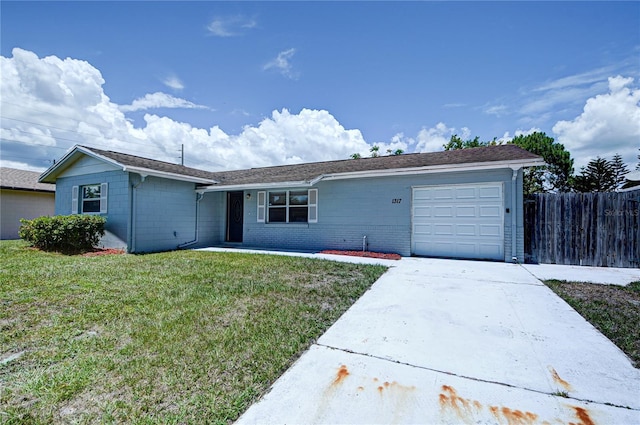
461 221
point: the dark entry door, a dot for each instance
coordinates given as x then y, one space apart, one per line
234 216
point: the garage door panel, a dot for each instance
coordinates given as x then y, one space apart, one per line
443 194
422 229
422 212
466 250
494 250
443 229
490 211
490 193
490 230
466 230
422 195
466 193
443 211
463 211
462 221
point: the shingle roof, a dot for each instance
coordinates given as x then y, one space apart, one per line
11 178
151 164
312 170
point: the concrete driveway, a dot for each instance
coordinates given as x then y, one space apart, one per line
449 341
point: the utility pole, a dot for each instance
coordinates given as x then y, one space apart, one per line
182 154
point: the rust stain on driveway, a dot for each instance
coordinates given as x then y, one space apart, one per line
559 380
473 411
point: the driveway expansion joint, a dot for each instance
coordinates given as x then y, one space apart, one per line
471 378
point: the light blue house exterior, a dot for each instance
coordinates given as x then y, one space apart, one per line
459 204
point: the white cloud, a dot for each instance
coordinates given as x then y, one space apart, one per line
231 26
506 137
282 64
54 104
609 124
497 110
159 100
20 166
432 139
173 82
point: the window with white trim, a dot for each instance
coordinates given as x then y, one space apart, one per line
288 206
89 199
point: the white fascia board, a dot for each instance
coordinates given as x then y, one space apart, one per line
448 168
166 175
250 186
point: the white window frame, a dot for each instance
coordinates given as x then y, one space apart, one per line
77 200
263 207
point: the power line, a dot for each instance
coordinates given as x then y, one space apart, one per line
62 129
53 114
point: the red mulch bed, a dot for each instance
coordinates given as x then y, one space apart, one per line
364 254
103 251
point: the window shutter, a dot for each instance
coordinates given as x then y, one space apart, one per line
74 200
313 206
104 189
262 201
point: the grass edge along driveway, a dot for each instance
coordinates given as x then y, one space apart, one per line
177 337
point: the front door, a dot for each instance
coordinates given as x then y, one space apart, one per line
235 213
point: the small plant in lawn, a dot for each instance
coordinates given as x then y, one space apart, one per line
63 233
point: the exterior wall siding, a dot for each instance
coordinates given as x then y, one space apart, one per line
378 208
211 220
17 204
88 165
117 215
164 212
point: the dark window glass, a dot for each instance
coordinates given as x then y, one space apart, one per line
277 215
91 206
298 214
277 198
298 198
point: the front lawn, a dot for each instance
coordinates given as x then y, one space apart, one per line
179 337
613 310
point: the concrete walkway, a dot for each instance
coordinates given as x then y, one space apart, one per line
450 341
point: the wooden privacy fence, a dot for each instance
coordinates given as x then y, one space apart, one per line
589 229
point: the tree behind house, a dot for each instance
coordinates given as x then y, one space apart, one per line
553 177
601 175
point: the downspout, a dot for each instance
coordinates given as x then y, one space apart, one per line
132 218
195 239
514 217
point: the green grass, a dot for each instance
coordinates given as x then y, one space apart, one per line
179 337
614 310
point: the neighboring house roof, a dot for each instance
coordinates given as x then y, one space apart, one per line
131 163
454 160
12 178
632 181
490 157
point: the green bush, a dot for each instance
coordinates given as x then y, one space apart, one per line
63 233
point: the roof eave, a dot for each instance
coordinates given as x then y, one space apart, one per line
446 168
250 186
167 175
28 189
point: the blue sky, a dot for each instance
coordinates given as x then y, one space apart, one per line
245 84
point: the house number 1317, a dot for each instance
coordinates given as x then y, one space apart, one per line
396 200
